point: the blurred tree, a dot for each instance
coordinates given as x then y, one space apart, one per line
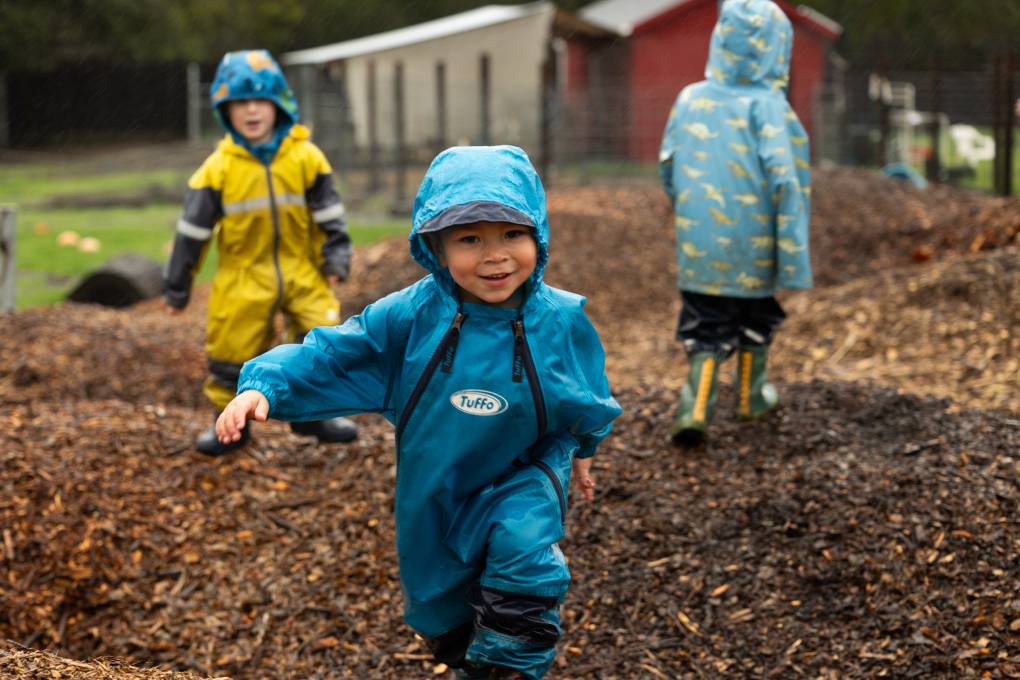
914 34
46 34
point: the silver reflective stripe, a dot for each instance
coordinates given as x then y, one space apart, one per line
333 212
246 205
290 199
194 231
262 203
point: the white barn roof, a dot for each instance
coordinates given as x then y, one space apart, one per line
419 33
623 15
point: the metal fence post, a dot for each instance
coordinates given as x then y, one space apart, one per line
399 139
374 172
485 100
440 106
194 79
8 235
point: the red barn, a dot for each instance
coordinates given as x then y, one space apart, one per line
665 47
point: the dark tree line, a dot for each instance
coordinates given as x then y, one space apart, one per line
41 34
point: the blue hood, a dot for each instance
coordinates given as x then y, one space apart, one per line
253 74
751 45
468 184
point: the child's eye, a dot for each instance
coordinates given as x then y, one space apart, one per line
468 239
515 233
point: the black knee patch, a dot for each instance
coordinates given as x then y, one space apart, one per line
515 614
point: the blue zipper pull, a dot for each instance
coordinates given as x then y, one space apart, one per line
518 368
450 348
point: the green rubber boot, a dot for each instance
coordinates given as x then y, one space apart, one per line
756 396
697 400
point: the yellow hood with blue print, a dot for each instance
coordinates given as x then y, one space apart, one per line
254 74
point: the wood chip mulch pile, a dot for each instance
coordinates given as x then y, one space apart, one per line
861 531
18 662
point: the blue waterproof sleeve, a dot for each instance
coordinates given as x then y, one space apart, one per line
596 417
783 153
338 370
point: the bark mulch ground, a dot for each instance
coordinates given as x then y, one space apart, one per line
860 531
857 532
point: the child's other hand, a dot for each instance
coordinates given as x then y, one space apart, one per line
250 403
583 479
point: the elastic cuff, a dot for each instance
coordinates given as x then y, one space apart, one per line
268 392
337 266
495 649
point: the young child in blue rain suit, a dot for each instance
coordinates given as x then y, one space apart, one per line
266 196
734 161
496 384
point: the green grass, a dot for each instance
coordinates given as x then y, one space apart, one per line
984 173
46 272
32 184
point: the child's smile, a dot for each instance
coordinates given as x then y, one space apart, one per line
489 261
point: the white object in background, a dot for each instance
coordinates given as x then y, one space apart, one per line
971 145
8 232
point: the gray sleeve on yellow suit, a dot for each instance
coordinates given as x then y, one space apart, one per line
202 210
328 213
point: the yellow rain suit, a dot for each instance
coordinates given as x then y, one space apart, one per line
279 230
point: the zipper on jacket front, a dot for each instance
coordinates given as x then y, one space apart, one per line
441 353
525 365
276 243
453 336
560 496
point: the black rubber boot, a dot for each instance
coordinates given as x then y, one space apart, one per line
334 430
469 671
209 444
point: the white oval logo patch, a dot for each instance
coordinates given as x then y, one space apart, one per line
478 402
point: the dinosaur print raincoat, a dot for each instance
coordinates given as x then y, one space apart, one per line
734 161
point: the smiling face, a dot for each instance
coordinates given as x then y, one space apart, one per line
489 261
254 119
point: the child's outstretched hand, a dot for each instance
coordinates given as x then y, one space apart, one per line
582 478
248 404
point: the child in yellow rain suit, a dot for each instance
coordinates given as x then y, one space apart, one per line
282 238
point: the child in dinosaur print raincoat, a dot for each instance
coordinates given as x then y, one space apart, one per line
495 382
734 161
266 197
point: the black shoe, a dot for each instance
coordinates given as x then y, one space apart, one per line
209 444
689 438
334 430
